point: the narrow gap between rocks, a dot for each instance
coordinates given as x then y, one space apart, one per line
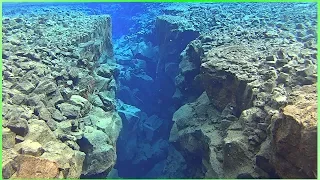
197 91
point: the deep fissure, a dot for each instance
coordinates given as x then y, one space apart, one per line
155 118
183 91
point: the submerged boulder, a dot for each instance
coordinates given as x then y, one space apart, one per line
69 110
100 154
195 135
130 115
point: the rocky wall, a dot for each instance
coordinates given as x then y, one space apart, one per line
59 118
294 135
252 77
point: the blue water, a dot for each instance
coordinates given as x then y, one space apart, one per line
134 24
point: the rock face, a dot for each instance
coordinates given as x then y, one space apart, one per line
50 120
293 135
251 80
248 96
96 145
197 140
187 81
173 33
241 94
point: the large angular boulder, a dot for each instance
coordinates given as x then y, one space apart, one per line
25 87
189 67
130 115
100 154
69 110
46 86
19 126
29 147
195 135
231 80
152 127
83 103
108 122
236 157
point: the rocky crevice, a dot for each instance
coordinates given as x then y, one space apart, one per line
146 87
231 95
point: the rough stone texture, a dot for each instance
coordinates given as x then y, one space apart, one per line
70 162
40 132
232 75
8 138
49 64
100 155
250 60
194 136
44 143
253 71
108 122
9 166
33 167
294 135
19 126
263 159
186 82
69 110
29 147
236 157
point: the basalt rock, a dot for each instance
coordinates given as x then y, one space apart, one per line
294 134
195 137
256 81
52 81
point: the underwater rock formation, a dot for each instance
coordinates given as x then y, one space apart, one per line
173 34
58 108
195 136
240 89
293 135
197 90
249 85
